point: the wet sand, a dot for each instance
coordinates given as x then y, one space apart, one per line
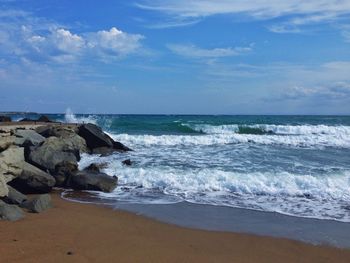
74 232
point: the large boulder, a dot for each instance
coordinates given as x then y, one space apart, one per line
58 130
11 162
96 138
32 180
3 186
64 172
5 118
95 181
10 212
29 137
14 197
54 151
6 141
38 204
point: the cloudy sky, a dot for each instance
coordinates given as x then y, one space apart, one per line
175 56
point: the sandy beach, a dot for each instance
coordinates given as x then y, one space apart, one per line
75 232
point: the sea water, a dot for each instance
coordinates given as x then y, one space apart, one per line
294 165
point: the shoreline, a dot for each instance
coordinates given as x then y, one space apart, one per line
77 232
230 219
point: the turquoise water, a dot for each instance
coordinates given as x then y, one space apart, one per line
295 165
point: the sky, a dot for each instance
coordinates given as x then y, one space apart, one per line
175 56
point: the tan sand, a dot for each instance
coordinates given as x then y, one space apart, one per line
73 232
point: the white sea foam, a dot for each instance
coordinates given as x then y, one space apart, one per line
296 194
305 140
275 129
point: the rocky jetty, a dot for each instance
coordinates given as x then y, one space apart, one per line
36 157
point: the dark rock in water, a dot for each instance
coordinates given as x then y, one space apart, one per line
38 204
120 147
44 118
5 118
27 120
52 152
64 172
127 162
10 212
32 180
14 197
94 136
28 137
93 168
88 180
103 151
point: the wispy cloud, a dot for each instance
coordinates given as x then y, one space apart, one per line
296 13
193 51
256 8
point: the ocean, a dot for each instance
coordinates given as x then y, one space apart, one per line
292 165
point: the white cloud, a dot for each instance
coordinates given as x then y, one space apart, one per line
37 39
193 51
115 41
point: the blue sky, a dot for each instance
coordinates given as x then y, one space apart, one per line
176 56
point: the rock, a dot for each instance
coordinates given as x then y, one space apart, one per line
54 151
93 168
44 118
11 162
38 204
5 118
29 136
103 151
32 180
120 147
6 141
94 136
64 172
127 162
57 130
3 186
96 167
14 197
27 120
88 180
10 212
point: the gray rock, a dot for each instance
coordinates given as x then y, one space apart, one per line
57 130
32 180
38 204
11 162
30 136
52 152
3 186
96 181
63 173
10 212
6 141
14 197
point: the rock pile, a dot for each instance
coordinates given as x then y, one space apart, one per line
36 158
